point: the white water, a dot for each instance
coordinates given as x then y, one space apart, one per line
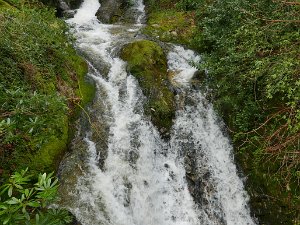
143 180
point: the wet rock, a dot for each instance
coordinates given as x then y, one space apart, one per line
73 4
133 157
111 11
75 222
64 7
69 13
147 62
128 189
199 75
188 168
198 79
200 181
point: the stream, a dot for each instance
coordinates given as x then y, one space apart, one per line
119 170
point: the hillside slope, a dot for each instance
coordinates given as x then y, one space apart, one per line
251 51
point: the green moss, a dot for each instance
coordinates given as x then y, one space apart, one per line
86 90
171 26
147 62
47 158
45 148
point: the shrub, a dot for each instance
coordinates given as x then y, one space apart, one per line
22 202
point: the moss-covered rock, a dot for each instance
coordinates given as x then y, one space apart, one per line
147 62
171 26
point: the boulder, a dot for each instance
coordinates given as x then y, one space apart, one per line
63 5
147 62
111 11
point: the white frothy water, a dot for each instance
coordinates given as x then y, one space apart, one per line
141 11
181 61
143 180
86 13
196 126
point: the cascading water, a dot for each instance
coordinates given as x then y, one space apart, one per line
122 172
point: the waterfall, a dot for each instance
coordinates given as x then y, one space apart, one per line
129 175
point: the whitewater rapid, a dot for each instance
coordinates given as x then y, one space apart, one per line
142 179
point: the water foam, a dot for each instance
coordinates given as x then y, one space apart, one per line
143 179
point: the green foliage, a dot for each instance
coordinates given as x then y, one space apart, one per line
34 49
22 202
41 82
29 114
171 26
168 21
251 49
4 4
188 5
160 5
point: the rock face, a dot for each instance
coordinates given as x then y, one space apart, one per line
148 63
111 11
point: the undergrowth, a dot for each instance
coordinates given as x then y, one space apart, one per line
42 88
42 81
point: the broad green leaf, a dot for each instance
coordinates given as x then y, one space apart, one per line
13 201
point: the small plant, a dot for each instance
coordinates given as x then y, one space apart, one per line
24 202
187 4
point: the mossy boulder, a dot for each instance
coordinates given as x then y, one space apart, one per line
147 62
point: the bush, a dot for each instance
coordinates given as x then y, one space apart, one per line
22 202
251 50
40 78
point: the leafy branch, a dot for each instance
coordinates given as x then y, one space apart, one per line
25 202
